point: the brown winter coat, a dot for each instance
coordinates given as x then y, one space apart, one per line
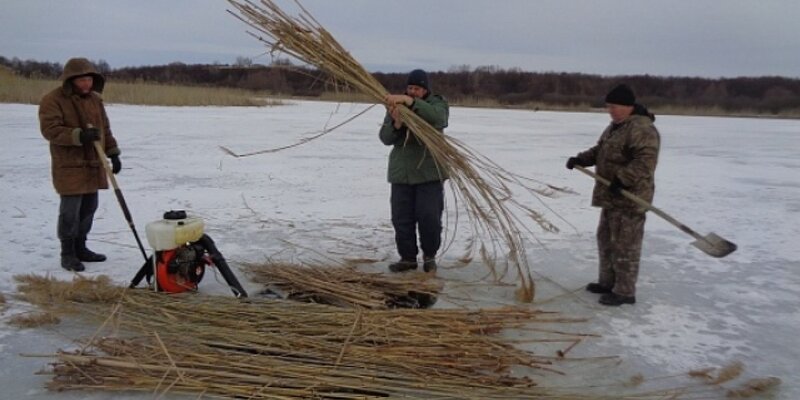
630 153
76 168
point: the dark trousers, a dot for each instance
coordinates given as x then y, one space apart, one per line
619 242
75 216
417 207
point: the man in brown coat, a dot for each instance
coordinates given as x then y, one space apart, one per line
626 155
72 117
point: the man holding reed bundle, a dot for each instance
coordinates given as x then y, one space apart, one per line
72 118
417 198
626 155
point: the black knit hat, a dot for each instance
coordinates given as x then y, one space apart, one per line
622 95
419 78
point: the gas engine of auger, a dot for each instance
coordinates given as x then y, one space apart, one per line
181 253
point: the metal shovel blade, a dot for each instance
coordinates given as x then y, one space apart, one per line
711 244
715 246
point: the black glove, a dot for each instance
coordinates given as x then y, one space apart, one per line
616 187
89 135
573 161
116 164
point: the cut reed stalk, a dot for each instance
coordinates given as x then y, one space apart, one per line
346 286
482 186
223 347
33 319
183 341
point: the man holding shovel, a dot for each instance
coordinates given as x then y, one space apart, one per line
626 155
72 118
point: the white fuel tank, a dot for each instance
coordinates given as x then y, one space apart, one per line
167 234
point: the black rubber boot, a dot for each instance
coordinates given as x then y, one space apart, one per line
615 300
429 264
597 288
69 261
403 266
84 254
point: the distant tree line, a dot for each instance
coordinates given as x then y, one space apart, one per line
511 87
43 69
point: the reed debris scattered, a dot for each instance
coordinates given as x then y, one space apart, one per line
346 286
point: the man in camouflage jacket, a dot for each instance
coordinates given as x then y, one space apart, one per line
72 118
626 155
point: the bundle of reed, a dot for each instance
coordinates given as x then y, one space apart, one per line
290 345
223 347
346 286
483 187
150 366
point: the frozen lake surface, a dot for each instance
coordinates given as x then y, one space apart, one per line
329 198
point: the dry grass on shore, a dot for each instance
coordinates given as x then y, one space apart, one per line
16 89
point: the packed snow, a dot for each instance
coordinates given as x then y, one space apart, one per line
329 200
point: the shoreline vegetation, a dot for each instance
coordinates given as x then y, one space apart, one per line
15 88
178 95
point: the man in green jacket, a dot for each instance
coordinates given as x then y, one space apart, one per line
72 118
417 198
626 155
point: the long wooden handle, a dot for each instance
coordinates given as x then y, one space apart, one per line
101 156
636 199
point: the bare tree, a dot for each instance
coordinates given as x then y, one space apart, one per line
244 62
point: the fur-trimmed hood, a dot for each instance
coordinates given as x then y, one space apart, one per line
76 67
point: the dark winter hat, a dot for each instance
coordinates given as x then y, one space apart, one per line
419 78
622 95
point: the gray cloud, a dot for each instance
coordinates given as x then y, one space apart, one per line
695 38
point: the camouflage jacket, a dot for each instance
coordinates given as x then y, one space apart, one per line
629 152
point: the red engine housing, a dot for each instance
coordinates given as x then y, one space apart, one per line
171 279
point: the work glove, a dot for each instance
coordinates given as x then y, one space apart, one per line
89 135
116 164
616 187
573 161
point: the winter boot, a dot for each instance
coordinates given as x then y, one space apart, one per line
429 264
403 265
615 300
69 261
597 288
84 254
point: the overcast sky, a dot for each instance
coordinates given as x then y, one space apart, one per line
659 37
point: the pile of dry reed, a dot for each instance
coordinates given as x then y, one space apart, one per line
346 286
480 185
222 347
227 347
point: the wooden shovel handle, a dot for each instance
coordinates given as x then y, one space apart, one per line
101 156
636 199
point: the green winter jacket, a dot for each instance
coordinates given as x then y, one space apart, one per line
409 161
629 152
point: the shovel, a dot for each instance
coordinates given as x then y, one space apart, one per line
711 244
101 156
